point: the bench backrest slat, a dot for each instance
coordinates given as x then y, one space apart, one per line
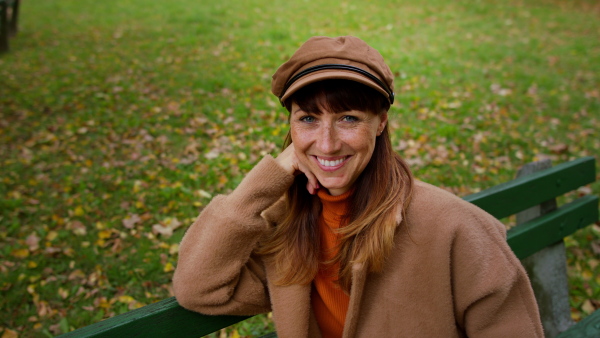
529 238
519 194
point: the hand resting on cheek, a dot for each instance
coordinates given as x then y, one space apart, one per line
289 161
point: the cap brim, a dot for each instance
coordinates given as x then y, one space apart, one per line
328 74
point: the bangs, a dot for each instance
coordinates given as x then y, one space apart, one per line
338 96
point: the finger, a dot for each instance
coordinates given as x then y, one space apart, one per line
287 159
313 183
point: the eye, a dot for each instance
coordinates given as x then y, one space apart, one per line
349 118
307 119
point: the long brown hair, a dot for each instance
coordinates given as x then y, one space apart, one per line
381 192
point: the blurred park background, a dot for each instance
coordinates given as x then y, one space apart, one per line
120 120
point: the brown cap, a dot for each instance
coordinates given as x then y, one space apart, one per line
322 58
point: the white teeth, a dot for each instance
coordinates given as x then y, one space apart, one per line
330 163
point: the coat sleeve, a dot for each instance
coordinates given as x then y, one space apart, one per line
217 271
492 293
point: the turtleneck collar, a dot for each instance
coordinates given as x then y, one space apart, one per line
335 206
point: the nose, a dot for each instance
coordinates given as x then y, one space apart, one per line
328 142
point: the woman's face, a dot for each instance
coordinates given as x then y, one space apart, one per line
336 147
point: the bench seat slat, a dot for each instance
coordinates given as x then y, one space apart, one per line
524 192
161 319
530 237
589 327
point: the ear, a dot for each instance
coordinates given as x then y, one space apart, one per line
383 123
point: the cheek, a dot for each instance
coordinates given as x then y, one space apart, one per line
299 139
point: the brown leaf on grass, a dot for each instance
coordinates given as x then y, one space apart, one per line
166 227
131 220
596 248
77 274
32 241
192 148
162 230
585 190
8 333
55 329
559 148
52 251
588 307
77 227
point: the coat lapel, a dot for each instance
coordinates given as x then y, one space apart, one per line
290 305
359 276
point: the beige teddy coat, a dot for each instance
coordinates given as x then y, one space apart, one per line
451 273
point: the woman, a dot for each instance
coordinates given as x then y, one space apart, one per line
334 235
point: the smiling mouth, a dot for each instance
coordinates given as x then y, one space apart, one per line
334 163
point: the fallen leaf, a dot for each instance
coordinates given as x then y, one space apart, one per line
78 228
559 148
131 220
169 267
20 253
8 333
33 241
51 235
588 307
163 230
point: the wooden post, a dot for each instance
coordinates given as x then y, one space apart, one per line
13 25
547 268
3 26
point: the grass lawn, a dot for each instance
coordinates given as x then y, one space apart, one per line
119 120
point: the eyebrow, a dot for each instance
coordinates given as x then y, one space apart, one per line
318 112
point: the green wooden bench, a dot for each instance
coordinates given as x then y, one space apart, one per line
536 240
9 14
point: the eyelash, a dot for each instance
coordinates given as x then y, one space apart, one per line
305 118
345 118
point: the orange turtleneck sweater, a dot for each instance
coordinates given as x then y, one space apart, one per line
329 302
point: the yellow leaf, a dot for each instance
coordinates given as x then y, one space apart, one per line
51 235
137 185
8 333
63 293
588 307
104 303
79 211
20 253
235 334
169 267
126 299
104 234
173 249
32 265
59 221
